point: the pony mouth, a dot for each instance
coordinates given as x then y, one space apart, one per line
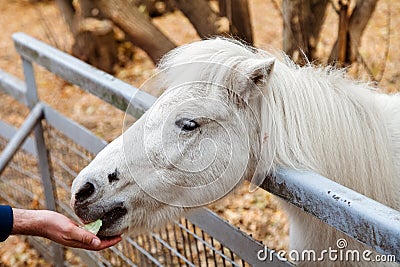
111 218
110 221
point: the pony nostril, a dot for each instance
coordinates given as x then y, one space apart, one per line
85 192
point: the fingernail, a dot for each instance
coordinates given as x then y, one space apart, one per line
96 242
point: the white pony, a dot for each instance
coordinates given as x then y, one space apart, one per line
232 112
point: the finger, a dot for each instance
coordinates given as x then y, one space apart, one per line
85 237
103 245
81 238
90 241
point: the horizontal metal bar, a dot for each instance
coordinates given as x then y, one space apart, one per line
74 131
13 87
8 131
238 242
31 121
75 71
362 218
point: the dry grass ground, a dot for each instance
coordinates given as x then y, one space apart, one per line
256 213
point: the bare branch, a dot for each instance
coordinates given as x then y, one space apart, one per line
200 14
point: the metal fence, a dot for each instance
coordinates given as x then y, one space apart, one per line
61 148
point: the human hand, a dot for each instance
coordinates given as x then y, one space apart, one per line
58 228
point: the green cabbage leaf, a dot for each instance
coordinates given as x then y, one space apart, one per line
93 227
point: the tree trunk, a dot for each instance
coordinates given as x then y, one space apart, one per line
240 25
137 27
303 20
200 15
94 37
294 35
343 45
237 12
205 20
95 43
357 23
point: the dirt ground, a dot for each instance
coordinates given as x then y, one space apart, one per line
257 213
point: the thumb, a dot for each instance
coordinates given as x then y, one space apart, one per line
96 242
87 238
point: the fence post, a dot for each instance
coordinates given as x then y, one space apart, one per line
43 157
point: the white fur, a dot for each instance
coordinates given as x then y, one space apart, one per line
304 118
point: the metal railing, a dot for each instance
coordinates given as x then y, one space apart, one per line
201 230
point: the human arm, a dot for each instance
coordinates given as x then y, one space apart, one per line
57 227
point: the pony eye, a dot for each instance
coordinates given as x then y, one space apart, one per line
187 124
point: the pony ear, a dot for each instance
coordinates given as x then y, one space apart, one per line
259 70
253 73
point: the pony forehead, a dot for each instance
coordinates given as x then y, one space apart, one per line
192 97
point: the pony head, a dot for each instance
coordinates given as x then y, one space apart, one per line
201 138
